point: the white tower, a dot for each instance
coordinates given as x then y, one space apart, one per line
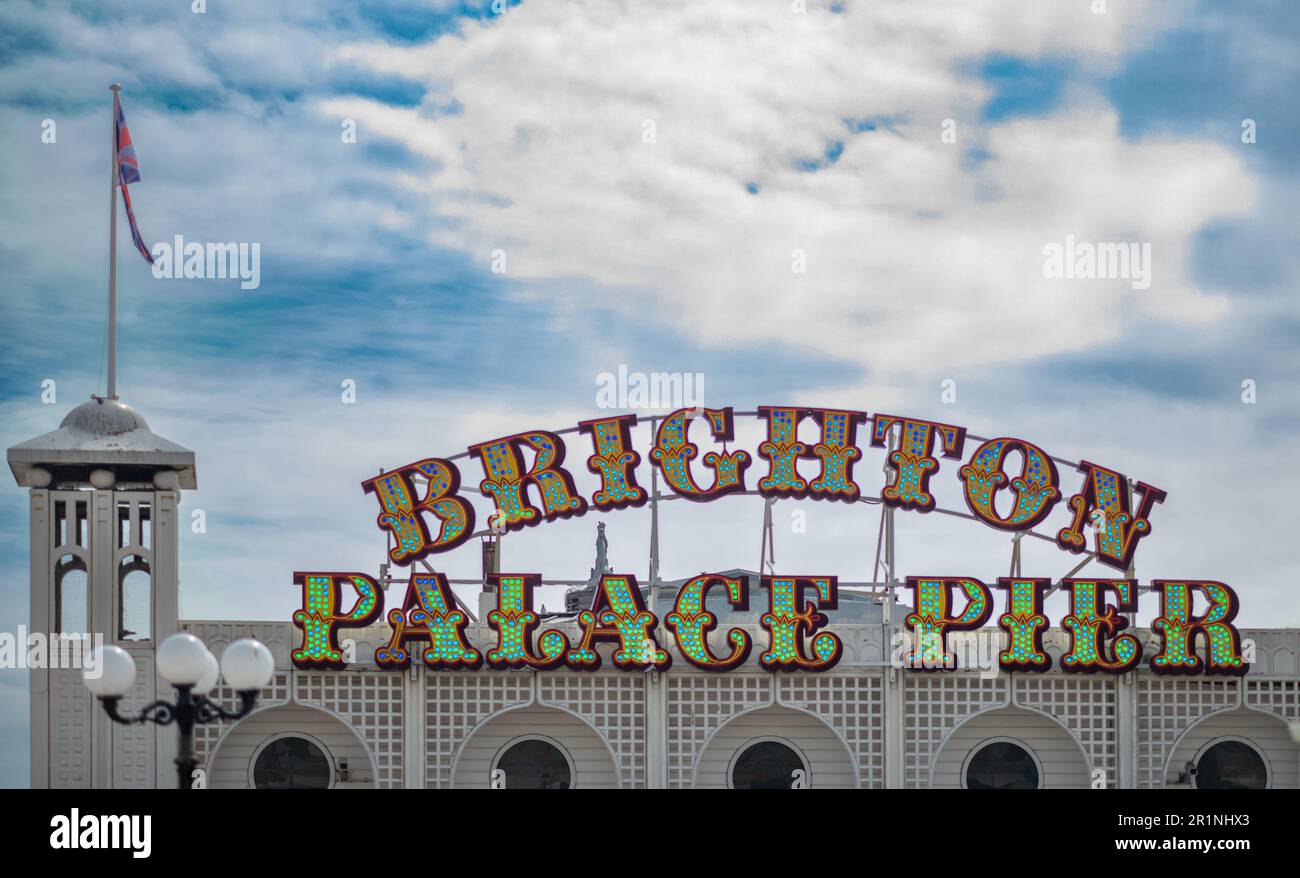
104 539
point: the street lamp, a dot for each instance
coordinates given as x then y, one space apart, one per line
186 663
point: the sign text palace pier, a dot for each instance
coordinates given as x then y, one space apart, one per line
725 679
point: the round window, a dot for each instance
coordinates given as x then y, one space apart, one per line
535 764
767 765
291 763
1002 765
1231 765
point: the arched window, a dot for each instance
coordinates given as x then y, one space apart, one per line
135 604
768 765
1231 764
292 762
72 595
534 764
1001 765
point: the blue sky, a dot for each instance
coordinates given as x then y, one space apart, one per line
523 131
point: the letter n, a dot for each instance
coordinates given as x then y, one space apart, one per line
1118 530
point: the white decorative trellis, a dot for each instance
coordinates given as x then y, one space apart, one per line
1087 706
698 705
615 704
374 705
206 735
854 706
70 743
1166 709
1281 697
933 705
455 703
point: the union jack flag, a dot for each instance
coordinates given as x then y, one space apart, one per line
128 171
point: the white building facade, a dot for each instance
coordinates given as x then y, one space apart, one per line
861 724
104 494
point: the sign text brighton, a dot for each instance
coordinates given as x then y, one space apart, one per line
527 467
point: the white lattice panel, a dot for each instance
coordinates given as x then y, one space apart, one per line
1168 707
699 704
206 735
455 702
70 707
853 706
1281 697
1087 706
374 705
934 703
133 745
615 704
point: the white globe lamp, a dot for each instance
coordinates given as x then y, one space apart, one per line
211 671
181 659
110 672
247 665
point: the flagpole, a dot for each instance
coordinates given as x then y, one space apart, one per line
112 255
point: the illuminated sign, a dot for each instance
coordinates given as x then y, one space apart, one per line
527 478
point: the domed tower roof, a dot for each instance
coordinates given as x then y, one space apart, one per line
102 433
104 417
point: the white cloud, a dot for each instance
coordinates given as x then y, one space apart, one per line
546 161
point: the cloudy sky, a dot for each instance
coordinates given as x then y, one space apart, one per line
641 175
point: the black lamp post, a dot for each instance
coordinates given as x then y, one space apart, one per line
185 662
